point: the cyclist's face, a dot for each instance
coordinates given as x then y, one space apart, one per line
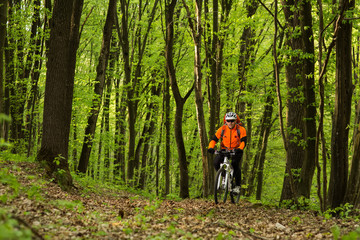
230 123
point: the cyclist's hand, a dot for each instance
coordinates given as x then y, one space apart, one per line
211 150
238 151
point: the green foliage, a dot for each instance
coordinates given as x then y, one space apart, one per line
222 236
353 235
34 193
173 197
343 211
75 206
9 180
10 228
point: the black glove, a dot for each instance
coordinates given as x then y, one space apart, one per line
211 150
238 151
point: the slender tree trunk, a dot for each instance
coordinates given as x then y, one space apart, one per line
35 75
120 142
214 56
319 133
265 129
167 134
17 83
3 21
148 137
308 167
106 109
342 112
197 33
61 63
246 57
180 101
266 123
98 89
133 83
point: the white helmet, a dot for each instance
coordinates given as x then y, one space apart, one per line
230 116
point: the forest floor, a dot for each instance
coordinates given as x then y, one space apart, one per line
31 205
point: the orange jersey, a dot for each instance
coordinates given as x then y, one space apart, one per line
230 137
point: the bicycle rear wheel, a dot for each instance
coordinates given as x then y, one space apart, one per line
221 190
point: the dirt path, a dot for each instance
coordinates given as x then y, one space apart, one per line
51 213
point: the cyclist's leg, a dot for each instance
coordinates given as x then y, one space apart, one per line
218 159
236 166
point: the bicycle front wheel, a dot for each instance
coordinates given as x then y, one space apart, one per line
221 187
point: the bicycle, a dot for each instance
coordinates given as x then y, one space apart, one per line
224 179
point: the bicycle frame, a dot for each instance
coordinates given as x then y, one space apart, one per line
229 171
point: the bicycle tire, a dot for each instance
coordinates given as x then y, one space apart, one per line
235 197
220 192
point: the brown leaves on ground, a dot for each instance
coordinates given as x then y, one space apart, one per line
119 215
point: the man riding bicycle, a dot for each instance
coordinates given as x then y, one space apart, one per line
233 137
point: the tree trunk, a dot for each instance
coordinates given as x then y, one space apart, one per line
295 125
124 40
180 101
17 84
246 57
266 123
342 112
133 83
167 134
120 142
308 167
61 63
214 55
3 21
155 91
120 106
353 189
35 75
98 89
197 33
320 130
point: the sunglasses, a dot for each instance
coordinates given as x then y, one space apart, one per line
230 120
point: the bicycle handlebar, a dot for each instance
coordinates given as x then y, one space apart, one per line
225 151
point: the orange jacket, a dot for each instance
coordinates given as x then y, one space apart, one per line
230 138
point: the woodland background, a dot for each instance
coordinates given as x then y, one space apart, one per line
130 92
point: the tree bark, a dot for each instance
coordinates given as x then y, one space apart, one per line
199 99
179 100
3 30
342 112
294 79
167 133
353 188
308 167
61 63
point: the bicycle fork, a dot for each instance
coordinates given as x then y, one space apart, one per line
228 173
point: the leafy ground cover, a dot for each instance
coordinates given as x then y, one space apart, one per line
35 208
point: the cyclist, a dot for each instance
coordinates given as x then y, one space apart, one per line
233 137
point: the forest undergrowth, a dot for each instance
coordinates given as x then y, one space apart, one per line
33 207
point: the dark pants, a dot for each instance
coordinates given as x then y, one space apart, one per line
236 160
